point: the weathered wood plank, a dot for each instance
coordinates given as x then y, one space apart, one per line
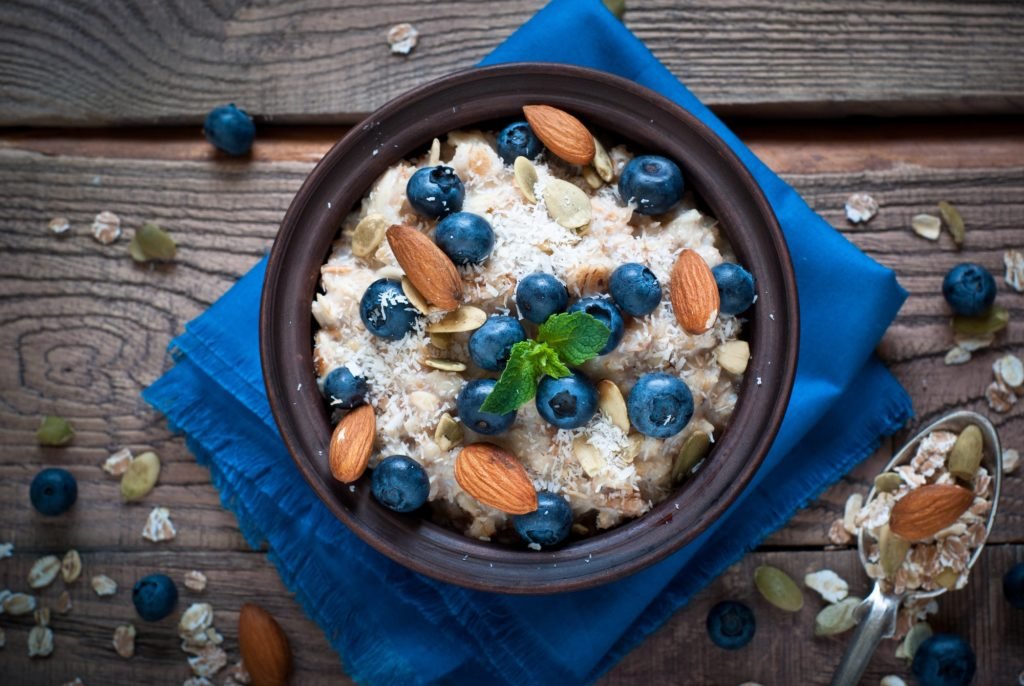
89 62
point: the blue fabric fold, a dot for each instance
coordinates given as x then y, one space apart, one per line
394 627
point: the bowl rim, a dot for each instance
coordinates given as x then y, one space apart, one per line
522 560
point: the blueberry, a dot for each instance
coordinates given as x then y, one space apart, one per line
491 344
660 405
735 288
944 660
386 311
969 289
465 237
653 183
518 140
607 313
635 289
229 129
400 483
549 524
471 397
569 402
53 491
435 192
731 625
154 597
343 389
539 295
1013 586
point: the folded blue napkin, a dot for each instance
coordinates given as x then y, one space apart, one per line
394 627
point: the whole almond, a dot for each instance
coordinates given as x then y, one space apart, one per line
264 646
352 443
562 133
925 511
431 271
694 293
495 478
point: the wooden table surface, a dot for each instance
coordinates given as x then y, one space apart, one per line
83 329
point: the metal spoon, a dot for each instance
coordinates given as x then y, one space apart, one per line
877 614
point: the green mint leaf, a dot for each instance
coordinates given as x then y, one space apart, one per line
518 382
547 361
576 337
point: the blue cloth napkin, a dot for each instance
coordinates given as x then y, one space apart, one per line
394 627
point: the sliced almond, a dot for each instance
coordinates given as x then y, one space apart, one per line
415 297
926 226
495 478
603 163
927 510
466 318
733 356
368 235
446 365
352 443
567 204
562 133
448 433
694 293
431 271
526 177
589 456
612 404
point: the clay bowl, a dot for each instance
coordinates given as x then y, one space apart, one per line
488 97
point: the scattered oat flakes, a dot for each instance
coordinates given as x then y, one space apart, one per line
999 397
42 616
118 463
106 227
403 38
239 673
6 550
195 620
40 642
860 208
43 571
1009 370
828 584
838 534
18 604
927 226
1014 261
209 661
159 526
59 225
957 355
63 603
195 581
104 585
851 512
1010 459
71 566
892 680
124 640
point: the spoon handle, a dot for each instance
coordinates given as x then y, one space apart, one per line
877 620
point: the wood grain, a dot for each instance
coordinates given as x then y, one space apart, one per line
83 329
91 62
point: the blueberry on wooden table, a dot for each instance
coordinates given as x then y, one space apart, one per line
344 389
1013 586
567 403
652 183
969 289
735 288
659 405
400 483
491 344
944 660
466 238
518 140
229 129
540 295
606 312
635 289
386 311
154 597
470 398
435 192
53 491
731 625
549 524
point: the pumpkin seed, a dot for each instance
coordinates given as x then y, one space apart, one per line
415 297
435 153
612 404
150 242
140 477
603 163
965 457
837 618
526 177
71 566
778 588
733 356
954 222
589 456
44 571
694 449
995 319
445 365
888 482
567 204
892 549
442 341
448 433
926 226
918 634
466 318
368 235
591 177
947 578
54 431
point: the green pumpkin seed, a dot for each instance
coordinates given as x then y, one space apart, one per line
567 204
151 242
141 477
694 449
368 235
441 341
954 222
947 578
448 433
888 482
445 365
591 177
526 177
836 618
891 551
918 634
54 431
995 319
603 163
965 457
778 588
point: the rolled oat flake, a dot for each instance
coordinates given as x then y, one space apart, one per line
106 227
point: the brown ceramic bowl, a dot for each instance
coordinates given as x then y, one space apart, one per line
487 97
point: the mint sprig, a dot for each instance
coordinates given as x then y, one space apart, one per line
564 339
